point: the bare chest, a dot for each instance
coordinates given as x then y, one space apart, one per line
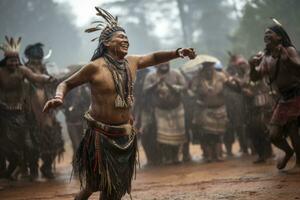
104 83
11 80
278 71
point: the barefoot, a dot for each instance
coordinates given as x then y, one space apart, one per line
283 161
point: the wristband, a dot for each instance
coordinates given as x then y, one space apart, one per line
58 97
177 52
51 78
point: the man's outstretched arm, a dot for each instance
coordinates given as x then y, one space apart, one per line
34 77
84 75
161 57
254 62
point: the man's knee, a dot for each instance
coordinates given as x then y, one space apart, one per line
275 135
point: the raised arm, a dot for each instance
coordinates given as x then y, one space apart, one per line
256 67
84 75
34 77
161 57
292 57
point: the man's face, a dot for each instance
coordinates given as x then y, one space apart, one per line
271 39
231 70
118 44
12 61
208 70
35 62
163 67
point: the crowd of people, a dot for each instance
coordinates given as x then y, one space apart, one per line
209 105
27 134
252 101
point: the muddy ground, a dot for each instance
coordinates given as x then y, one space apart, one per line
235 178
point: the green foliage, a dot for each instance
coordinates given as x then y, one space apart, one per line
248 39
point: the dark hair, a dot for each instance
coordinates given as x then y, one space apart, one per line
34 51
99 51
3 62
279 30
106 35
285 39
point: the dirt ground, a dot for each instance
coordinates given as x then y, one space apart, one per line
235 178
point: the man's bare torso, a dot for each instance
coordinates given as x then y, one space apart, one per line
285 79
103 95
11 87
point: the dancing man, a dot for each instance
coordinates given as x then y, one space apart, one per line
106 157
280 62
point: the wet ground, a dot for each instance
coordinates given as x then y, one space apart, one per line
235 178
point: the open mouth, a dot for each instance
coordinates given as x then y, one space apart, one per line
125 46
267 39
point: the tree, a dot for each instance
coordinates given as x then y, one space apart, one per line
248 39
41 21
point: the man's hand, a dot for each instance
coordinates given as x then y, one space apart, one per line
280 51
187 52
256 60
161 80
52 103
52 80
247 92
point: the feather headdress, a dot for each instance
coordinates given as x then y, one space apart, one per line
11 46
107 27
276 22
279 30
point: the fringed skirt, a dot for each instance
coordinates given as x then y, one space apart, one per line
106 162
286 111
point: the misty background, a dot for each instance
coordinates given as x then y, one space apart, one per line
210 26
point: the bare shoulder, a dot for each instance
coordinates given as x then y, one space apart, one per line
133 64
292 51
133 58
94 65
221 76
25 70
133 61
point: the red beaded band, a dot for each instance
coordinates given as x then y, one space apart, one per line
58 97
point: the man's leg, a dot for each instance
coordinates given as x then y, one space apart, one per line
259 142
46 167
229 139
174 154
295 139
188 128
2 165
278 139
242 139
146 139
216 148
84 194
